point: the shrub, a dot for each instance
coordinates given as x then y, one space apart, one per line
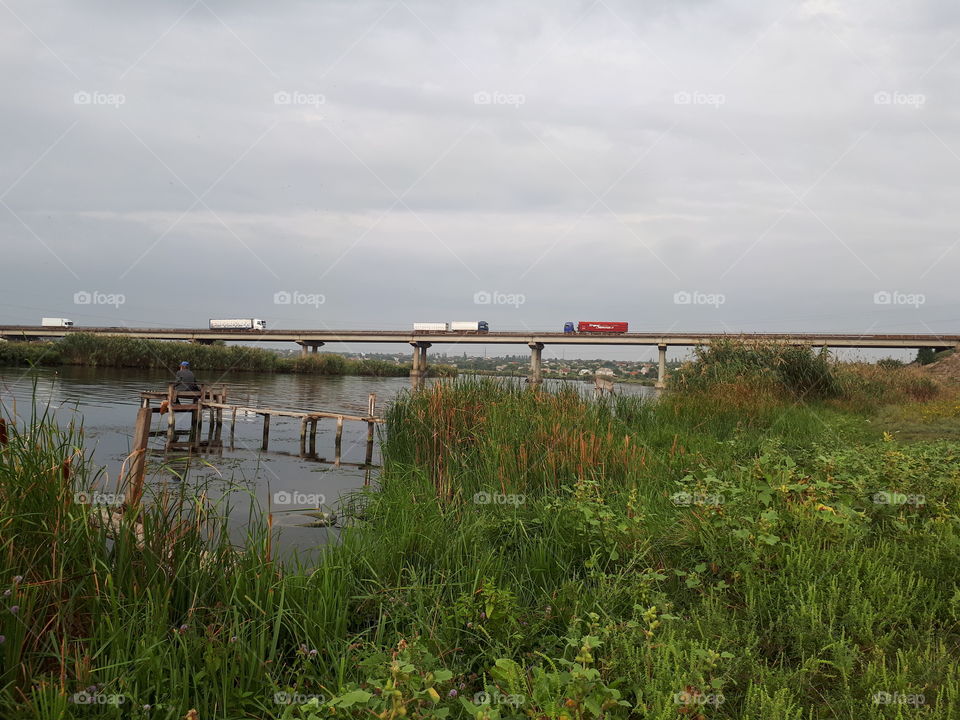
800 371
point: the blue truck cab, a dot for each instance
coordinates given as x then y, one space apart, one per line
568 327
483 326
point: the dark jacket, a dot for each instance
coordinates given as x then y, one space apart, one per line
186 380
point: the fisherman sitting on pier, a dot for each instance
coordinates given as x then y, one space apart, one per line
186 381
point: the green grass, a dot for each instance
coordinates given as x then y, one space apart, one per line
116 351
709 555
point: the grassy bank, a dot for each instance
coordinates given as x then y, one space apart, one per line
556 376
98 351
731 551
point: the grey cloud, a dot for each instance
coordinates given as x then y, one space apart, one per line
616 99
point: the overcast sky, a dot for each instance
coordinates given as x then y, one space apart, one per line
681 165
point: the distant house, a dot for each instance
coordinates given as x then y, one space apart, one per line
585 371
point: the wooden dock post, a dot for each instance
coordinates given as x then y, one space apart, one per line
371 413
213 411
303 437
171 416
313 436
198 412
138 465
266 431
338 443
369 458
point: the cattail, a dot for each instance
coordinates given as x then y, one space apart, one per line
3 431
65 468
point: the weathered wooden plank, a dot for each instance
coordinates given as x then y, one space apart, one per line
138 458
316 414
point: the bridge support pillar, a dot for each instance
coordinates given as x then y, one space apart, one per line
418 369
415 365
536 375
423 358
312 346
662 368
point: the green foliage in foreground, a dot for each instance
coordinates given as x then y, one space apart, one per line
118 351
528 555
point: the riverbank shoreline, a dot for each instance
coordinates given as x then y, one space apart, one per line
83 350
554 376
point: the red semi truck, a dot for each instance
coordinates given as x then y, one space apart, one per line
596 327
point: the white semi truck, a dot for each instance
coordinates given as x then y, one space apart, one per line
477 326
470 326
237 324
56 322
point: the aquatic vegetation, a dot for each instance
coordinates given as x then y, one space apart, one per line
118 351
527 554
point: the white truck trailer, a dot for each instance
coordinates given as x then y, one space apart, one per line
431 327
476 326
56 322
237 324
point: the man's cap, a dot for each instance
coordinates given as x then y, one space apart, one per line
184 363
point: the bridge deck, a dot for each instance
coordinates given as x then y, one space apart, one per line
308 336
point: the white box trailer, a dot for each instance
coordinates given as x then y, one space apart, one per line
431 327
56 322
237 324
470 326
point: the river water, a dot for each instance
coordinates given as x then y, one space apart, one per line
106 400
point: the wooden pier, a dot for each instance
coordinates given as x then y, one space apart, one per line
213 399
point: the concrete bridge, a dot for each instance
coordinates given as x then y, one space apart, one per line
312 340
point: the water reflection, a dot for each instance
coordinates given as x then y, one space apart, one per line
232 464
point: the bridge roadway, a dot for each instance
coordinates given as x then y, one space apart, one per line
313 337
536 341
